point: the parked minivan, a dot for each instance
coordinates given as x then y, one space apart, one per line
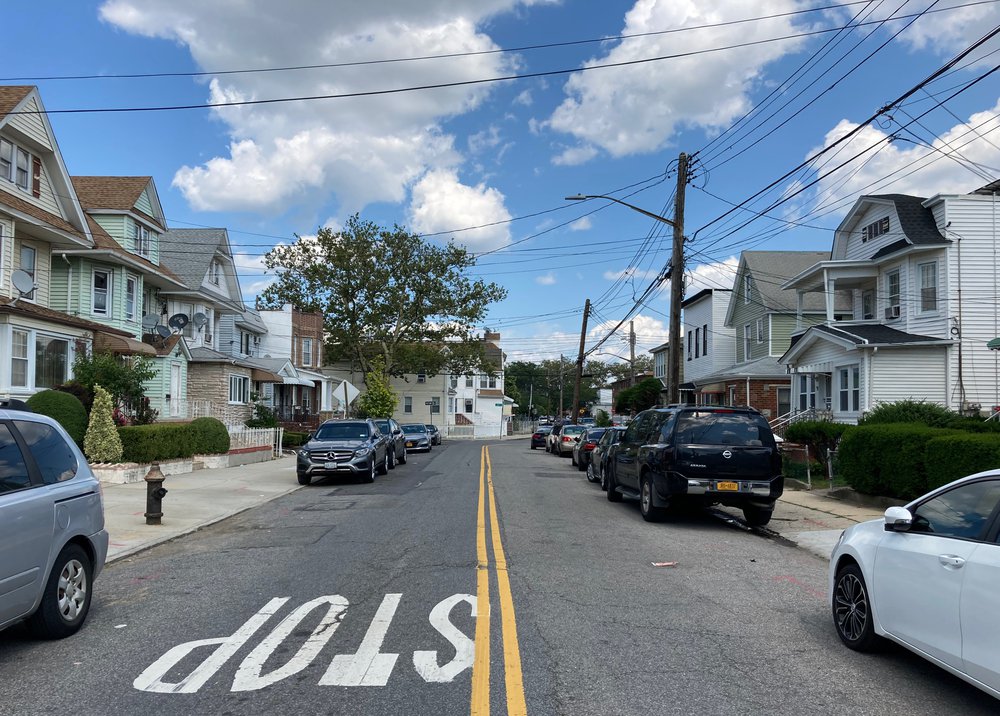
712 454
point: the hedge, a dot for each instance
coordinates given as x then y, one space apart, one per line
66 408
293 439
169 441
951 457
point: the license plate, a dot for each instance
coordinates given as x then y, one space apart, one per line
727 486
329 466
409 444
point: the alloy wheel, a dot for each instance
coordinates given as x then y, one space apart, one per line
72 590
851 607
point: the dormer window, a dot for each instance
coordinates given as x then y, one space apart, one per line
747 286
141 240
214 272
21 177
6 160
875 229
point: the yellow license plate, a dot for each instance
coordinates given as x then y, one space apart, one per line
727 486
409 444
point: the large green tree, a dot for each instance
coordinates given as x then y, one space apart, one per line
388 294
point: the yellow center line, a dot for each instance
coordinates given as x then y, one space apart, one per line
481 664
513 678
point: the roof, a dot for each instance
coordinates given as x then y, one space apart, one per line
252 320
190 251
115 193
103 240
770 269
875 334
915 220
27 308
163 346
766 367
663 347
701 294
11 96
16 202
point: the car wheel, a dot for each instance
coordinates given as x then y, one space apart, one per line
392 459
402 458
649 511
604 477
66 599
572 459
591 476
580 465
533 446
304 479
370 477
383 469
613 494
756 516
852 610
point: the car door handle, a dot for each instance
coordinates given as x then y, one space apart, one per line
950 560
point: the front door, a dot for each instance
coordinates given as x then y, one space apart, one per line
176 387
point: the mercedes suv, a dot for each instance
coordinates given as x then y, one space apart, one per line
344 447
715 455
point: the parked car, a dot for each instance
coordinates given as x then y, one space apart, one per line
587 422
344 447
434 432
715 455
585 445
596 466
565 441
538 437
391 429
52 538
925 576
417 437
553 437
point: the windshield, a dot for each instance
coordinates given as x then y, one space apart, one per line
343 431
706 427
573 429
595 435
413 429
383 426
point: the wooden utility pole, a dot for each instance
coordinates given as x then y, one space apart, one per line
561 406
631 353
579 364
677 285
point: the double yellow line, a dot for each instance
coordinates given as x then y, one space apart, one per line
513 678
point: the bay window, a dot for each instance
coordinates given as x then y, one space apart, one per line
51 361
19 359
38 360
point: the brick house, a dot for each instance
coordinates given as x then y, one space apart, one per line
297 335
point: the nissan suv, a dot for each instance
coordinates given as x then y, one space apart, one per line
713 455
52 538
344 447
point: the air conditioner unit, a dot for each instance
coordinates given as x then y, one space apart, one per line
891 312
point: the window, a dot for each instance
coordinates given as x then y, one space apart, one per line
468 405
19 359
451 404
747 286
101 300
131 286
140 238
704 340
807 392
53 456
892 294
407 404
244 343
697 342
876 228
760 330
21 173
690 344
962 512
435 404
6 160
214 272
421 377
928 287
868 304
849 391
468 383
28 256
239 389
784 398
13 470
51 361
307 351
454 382
746 341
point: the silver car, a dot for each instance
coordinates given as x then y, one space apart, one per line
52 538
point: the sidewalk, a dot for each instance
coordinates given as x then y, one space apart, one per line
813 519
193 501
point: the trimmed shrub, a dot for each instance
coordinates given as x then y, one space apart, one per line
292 439
910 411
101 442
209 436
820 435
950 457
82 392
160 441
66 408
887 460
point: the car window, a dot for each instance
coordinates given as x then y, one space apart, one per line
962 512
710 427
632 432
667 428
343 431
595 434
414 429
13 470
55 459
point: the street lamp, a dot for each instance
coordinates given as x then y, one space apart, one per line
676 271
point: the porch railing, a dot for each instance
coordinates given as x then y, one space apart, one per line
242 437
781 423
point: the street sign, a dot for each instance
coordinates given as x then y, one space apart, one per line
428 402
499 405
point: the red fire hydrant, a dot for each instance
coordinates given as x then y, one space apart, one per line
155 492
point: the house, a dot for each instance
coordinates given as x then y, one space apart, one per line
297 335
41 223
922 277
760 317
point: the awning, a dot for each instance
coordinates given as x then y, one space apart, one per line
265 376
288 380
712 388
110 343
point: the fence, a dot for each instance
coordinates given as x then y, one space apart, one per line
242 437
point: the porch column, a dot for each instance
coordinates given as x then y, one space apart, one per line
828 294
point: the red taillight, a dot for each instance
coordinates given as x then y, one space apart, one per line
567 439
537 435
589 446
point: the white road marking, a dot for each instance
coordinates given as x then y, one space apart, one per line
367 667
426 662
248 676
152 678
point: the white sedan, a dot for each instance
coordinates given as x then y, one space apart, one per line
927 576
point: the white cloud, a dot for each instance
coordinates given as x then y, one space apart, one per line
441 203
631 273
950 31
649 333
581 224
574 156
363 149
636 109
715 275
524 99
546 279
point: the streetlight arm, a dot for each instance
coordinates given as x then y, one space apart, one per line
651 215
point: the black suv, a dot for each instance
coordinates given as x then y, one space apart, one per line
339 447
397 441
717 455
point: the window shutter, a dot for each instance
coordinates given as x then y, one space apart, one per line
36 177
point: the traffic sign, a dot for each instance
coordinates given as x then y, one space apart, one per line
428 402
499 405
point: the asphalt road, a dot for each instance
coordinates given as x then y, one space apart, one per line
349 598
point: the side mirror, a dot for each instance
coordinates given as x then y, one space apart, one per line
898 519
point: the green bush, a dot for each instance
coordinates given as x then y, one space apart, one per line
820 436
887 459
209 436
156 442
292 439
66 408
911 411
950 457
602 419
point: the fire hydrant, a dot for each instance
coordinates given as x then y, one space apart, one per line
155 492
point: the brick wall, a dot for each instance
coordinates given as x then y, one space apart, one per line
210 381
307 325
763 394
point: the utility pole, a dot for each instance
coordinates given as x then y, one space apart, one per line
631 353
677 285
561 386
579 364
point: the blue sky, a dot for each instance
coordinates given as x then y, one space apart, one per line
751 89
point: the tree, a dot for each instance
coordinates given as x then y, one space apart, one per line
378 401
101 442
122 378
386 293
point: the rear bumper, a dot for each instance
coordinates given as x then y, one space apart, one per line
720 490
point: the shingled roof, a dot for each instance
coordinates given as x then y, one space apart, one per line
114 193
19 204
103 240
915 220
8 305
771 269
190 251
11 96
